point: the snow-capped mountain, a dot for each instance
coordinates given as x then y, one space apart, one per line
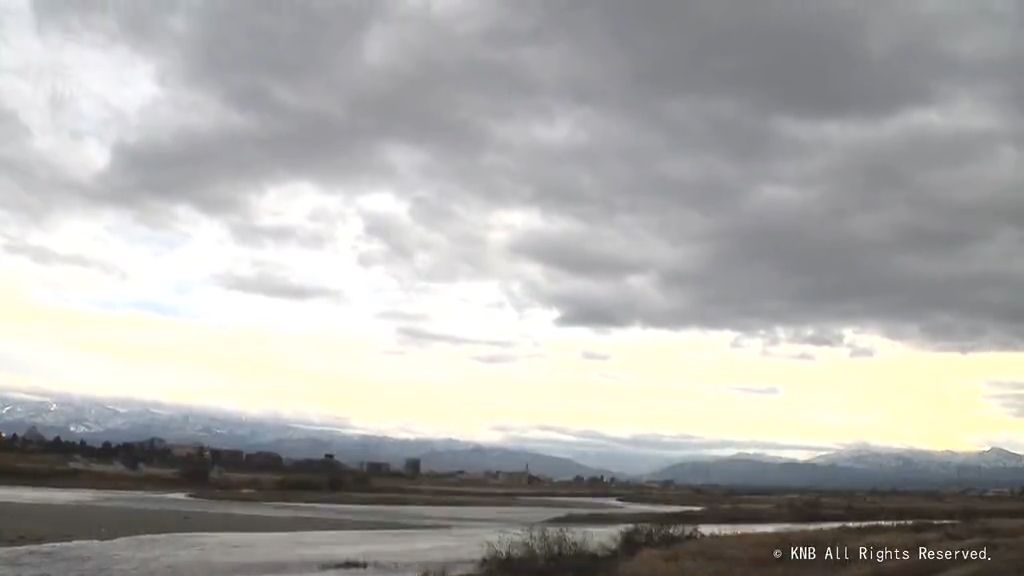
97 420
996 458
860 468
884 458
759 457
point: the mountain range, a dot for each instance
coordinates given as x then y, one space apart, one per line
97 420
495 458
860 467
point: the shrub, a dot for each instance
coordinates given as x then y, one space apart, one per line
640 536
346 565
541 551
544 551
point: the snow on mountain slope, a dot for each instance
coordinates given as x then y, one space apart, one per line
882 458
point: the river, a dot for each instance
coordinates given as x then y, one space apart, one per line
404 552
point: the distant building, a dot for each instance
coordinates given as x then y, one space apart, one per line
376 467
524 477
331 463
459 475
513 477
316 465
224 457
520 478
412 467
153 444
264 460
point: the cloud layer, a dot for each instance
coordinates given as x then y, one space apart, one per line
777 167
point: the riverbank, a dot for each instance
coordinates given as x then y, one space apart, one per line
32 523
976 548
53 471
798 508
408 498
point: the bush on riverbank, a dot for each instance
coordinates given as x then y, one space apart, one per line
542 551
754 553
545 551
640 536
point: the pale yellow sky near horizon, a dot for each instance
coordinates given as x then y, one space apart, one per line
652 382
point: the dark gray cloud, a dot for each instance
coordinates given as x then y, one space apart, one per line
403 316
502 358
436 241
495 358
760 390
29 182
272 285
50 257
768 341
1009 395
861 352
260 235
819 337
420 335
804 356
689 165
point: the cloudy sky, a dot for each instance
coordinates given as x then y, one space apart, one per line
789 223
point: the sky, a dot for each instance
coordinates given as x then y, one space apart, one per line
777 224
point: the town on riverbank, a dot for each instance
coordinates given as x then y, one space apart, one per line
214 473
33 459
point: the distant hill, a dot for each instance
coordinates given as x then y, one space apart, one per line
882 458
99 419
480 459
96 420
861 468
755 456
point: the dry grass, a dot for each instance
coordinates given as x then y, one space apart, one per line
741 555
552 552
546 551
543 551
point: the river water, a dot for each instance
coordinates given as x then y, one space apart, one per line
404 552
